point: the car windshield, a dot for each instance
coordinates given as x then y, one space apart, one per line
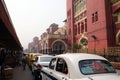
45 59
95 67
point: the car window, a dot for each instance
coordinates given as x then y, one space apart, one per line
61 66
45 59
95 67
52 63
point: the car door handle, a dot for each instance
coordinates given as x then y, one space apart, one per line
50 72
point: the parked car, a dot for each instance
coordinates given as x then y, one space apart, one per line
30 58
41 61
79 66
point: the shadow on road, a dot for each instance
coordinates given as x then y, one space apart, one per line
20 74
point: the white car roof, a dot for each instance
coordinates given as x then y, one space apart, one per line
80 56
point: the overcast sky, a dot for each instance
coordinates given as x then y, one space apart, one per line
32 17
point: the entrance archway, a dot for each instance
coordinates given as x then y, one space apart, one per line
58 47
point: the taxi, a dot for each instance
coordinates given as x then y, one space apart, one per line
30 59
41 61
79 66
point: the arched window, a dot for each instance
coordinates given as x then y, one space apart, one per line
58 47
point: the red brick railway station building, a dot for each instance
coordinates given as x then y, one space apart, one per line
92 24
53 41
88 25
97 21
95 25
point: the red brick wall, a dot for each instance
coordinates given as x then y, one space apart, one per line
70 21
110 26
101 29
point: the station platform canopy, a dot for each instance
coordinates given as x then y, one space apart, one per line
8 36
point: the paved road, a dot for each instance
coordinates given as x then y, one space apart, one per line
20 74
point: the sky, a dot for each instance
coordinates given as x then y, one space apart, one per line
31 18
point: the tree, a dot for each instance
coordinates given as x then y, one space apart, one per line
77 46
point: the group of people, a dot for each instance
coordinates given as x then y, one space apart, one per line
24 62
27 60
12 60
8 59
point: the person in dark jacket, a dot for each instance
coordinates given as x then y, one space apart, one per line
37 73
24 63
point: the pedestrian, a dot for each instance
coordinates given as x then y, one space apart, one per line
24 62
37 73
2 60
1 63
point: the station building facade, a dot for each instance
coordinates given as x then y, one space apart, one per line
93 24
53 41
87 25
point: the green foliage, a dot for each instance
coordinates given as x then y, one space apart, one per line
77 46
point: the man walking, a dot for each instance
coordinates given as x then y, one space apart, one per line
24 62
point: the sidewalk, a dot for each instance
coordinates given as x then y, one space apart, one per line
20 74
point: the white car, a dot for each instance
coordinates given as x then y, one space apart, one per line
41 60
79 66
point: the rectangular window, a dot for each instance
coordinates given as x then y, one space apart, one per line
82 27
61 66
94 17
95 67
52 63
45 59
75 30
85 25
78 28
